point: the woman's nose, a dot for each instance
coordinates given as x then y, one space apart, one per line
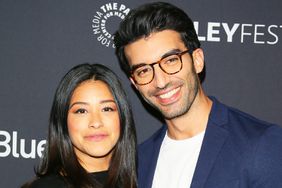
96 121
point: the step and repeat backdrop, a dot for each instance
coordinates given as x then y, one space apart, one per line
41 40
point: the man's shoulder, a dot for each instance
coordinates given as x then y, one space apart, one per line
249 122
243 129
233 118
262 142
250 126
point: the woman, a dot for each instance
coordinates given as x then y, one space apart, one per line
92 140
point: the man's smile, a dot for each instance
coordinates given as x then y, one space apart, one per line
169 97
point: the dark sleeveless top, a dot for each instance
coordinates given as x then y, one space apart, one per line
57 181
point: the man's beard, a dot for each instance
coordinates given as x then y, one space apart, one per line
185 104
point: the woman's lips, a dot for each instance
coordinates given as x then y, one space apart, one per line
96 137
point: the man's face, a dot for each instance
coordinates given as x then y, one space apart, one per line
174 94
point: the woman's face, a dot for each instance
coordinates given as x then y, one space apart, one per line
93 124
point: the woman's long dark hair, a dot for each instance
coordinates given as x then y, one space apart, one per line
59 155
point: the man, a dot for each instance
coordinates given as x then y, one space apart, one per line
204 144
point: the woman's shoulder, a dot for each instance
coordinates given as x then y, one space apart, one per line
54 181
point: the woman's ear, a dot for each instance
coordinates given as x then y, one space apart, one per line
198 60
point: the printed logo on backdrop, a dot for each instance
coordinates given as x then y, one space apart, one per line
11 145
107 18
267 34
105 22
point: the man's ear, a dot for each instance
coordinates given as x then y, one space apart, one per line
198 60
132 81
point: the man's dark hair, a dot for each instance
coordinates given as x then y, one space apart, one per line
150 18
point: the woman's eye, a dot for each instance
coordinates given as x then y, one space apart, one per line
80 111
108 109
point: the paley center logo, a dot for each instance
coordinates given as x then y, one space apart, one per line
105 20
238 32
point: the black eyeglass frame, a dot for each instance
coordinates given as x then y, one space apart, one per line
179 54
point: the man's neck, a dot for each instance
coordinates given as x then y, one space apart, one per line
193 122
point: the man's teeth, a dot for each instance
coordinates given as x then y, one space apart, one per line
169 94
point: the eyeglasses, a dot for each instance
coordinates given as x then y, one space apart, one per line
171 64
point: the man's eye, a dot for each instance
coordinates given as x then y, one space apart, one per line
143 71
81 111
172 60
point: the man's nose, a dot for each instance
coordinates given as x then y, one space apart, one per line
160 78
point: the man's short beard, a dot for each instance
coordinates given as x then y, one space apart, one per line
187 103
185 109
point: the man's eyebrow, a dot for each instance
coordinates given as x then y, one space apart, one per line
133 67
168 53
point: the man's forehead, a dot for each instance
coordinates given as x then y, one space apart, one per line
156 38
153 46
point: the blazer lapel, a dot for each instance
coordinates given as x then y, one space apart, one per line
214 139
145 178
